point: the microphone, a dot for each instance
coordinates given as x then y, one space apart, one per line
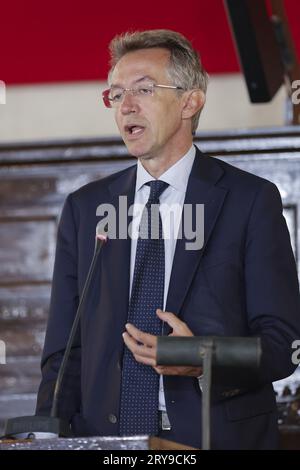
45 427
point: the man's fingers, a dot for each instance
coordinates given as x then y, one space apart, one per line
143 345
168 317
140 336
179 370
145 360
159 369
180 328
138 349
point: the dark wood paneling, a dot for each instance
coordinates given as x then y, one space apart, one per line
31 260
22 338
23 302
21 376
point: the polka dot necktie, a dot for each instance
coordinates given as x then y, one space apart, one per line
140 383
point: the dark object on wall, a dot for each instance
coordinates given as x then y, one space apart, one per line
257 47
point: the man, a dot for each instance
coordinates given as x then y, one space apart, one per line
241 282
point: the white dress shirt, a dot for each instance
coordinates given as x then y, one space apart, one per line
171 204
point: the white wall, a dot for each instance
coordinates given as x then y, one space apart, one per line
53 111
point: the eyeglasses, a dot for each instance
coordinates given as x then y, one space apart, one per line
113 97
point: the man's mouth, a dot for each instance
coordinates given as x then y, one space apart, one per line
134 130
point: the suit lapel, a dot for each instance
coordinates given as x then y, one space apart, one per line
201 189
117 254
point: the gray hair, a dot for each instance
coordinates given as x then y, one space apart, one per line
185 67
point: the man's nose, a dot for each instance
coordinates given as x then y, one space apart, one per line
129 103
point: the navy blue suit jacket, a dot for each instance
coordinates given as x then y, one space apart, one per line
242 282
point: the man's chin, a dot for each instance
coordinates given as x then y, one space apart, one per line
137 151
145 157
141 156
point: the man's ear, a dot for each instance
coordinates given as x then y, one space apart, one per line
194 101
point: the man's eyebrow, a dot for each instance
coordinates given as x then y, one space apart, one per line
143 78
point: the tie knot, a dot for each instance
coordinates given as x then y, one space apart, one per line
157 187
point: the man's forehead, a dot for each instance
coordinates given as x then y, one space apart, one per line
142 79
151 53
136 65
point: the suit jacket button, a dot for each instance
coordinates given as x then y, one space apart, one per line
112 419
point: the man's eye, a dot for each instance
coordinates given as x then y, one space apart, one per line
145 91
116 96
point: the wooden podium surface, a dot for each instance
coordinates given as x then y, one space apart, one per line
93 443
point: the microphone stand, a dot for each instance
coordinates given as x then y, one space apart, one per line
45 427
206 390
98 245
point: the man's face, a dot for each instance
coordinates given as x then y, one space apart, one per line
150 126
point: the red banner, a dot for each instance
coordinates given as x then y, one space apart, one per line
65 40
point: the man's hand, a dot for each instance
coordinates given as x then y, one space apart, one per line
143 345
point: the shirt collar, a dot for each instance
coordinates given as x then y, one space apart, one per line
176 176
